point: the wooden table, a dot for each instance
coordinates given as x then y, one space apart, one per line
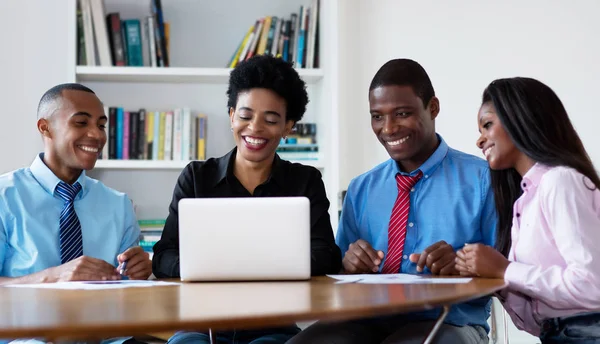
59 314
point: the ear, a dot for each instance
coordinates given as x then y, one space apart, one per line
288 127
44 127
231 112
434 107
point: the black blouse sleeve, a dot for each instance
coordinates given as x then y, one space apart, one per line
326 257
165 262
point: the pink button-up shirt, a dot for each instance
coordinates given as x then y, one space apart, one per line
555 252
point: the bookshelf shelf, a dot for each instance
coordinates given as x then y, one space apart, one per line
171 74
171 164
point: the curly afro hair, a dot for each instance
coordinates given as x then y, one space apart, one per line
275 74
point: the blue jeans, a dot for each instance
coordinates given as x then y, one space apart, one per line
269 336
580 329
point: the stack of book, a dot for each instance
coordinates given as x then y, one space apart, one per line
155 135
109 40
294 40
150 232
301 144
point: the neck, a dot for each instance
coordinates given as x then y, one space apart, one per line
66 174
524 164
419 159
251 174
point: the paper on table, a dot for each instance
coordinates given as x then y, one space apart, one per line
395 279
95 285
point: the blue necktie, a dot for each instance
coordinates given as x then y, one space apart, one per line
71 244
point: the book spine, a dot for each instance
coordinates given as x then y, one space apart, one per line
134 42
126 119
142 148
119 138
169 136
112 133
105 154
133 134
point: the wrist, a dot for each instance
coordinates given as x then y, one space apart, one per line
505 264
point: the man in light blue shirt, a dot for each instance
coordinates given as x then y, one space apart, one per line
451 203
56 223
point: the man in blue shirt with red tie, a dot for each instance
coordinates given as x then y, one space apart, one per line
56 223
412 213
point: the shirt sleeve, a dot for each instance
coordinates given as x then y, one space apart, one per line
165 261
569 206
131 236
489 217
347 229
3 247
520 309
325 254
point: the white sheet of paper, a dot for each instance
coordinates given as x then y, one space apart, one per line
396 279
95 285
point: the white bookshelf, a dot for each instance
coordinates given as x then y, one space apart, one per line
203 36
170 75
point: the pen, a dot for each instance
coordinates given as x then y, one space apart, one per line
123 268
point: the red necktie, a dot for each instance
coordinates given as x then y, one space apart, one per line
397 228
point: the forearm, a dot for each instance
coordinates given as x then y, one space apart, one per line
165 264
560 287
38 277
325 259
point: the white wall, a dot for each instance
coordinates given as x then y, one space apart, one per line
464 45
33 59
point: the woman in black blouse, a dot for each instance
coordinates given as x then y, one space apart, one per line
266 98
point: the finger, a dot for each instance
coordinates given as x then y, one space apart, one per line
449 269
471 247
414 257
364 262
353 264
441 253
437 266
466 274
461 268
134 262
96 273
422 261
140 271
130 252
461 254
96 265
370 252
423 258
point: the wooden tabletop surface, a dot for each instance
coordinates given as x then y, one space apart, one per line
51 313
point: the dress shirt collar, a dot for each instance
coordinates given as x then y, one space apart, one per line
225 169
432 162
532 178
47 179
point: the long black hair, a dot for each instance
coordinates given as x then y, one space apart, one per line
539 126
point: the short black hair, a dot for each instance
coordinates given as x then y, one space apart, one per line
56 92
405 72
275 74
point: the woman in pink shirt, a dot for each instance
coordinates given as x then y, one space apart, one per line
548 203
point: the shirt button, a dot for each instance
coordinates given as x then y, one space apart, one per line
518 214
412 190
410 224
426 176
405 257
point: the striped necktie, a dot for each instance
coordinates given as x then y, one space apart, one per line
397 227
71 244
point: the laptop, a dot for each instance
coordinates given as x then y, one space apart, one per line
244 239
